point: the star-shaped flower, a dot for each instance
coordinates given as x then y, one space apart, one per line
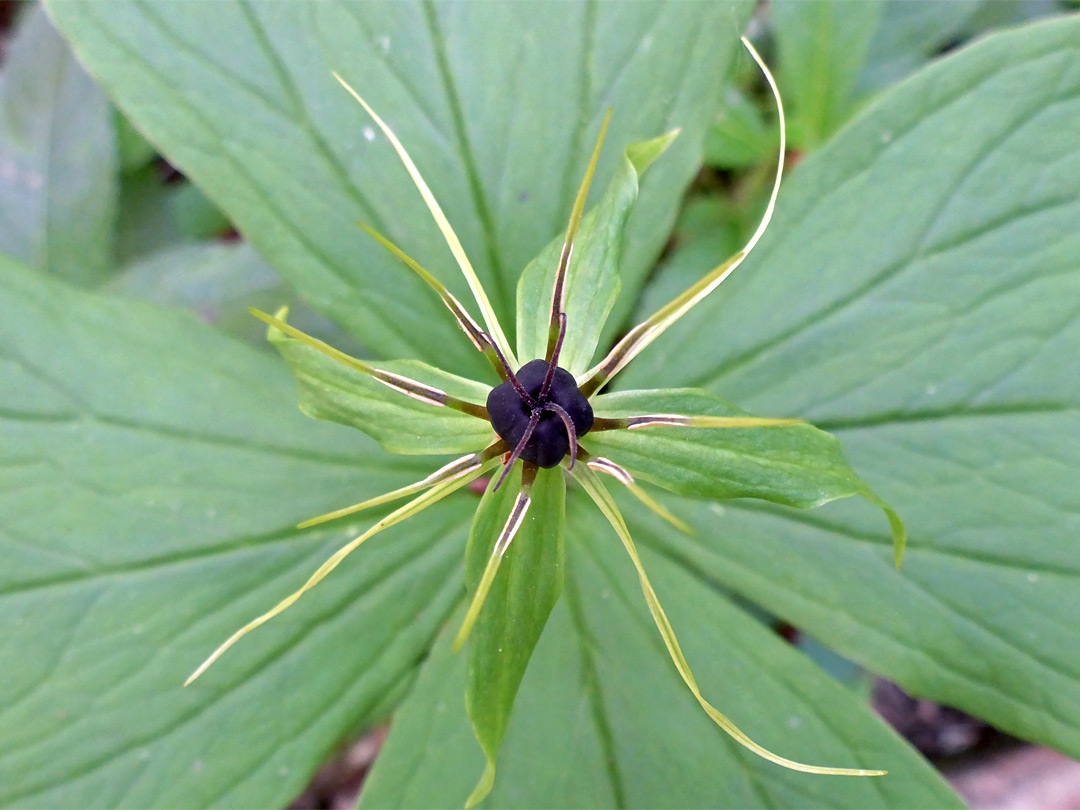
547 417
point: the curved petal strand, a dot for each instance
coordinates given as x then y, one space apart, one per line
602 498
444 226
413 507
405 385
635 341
449 472
502 543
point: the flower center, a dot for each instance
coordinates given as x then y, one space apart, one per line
511 413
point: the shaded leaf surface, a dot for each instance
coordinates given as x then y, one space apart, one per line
916 296
219 282
603 719
58 158
240 97
153 473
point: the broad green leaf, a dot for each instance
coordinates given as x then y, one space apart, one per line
58 161
603 720
331 390
910 34
153 475
240 97
528 582
916 296
821 47
220 281
593 279
795 465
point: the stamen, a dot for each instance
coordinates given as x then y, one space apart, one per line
558 294
508 373
428 394
534 419
464 320
554 361
675 420
623 476
602 423
502 544
411 388
441 221
571 433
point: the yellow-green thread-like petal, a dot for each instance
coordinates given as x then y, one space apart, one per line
502 544
635 341
558 293
413 507
602 498
449 472
454 243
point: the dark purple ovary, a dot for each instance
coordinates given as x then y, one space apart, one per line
510 414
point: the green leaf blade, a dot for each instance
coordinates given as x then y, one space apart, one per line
795 465
525 589
822 46
242 101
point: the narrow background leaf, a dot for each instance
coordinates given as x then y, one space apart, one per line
58 158
821 47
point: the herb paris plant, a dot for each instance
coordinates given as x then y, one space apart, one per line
549 413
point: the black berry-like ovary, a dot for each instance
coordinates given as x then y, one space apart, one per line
510 413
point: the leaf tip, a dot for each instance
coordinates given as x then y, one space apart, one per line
899 536
483 787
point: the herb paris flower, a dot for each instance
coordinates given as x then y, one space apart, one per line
548 415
